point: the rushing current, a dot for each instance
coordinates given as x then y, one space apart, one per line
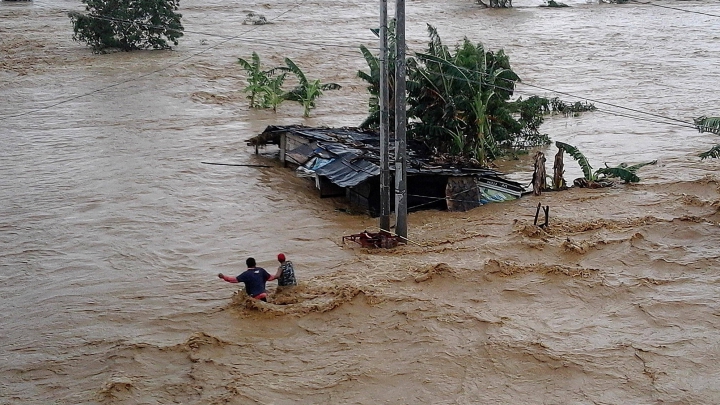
113 230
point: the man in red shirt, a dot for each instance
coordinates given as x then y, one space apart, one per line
254 279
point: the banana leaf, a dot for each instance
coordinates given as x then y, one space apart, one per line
622 172
634 168
579 157
708 124
712 153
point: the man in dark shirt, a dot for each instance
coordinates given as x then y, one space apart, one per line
254 279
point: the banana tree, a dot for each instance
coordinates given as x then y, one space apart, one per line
256 77
272 92
457 91
306 92
709 124
580 158
624 171
599 177
373 79
463 96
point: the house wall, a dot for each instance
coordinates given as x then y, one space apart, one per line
426 191
288 142
462 193
365 196
328 189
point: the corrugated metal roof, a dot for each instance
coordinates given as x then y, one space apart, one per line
354 156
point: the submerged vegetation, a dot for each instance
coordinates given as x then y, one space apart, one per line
460 101
495 3
599 178
307 91
265 87
709 124
554 4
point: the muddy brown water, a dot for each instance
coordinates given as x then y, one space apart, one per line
112 231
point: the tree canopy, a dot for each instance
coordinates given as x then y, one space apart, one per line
460 101
128 25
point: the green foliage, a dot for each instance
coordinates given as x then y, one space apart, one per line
623 171
272 92
265 87
373 79
258 80
462 91
580 158
459 101
496 3
714 152
128 25
529 115
306 92
574 109
635 167
709 124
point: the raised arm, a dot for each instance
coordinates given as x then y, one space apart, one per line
229 279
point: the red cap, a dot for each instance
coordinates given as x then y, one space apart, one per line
281 257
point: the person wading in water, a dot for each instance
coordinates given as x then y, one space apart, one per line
254 279
285 272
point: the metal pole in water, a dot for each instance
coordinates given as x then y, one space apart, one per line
400 124
384 122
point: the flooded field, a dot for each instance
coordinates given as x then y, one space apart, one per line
113 231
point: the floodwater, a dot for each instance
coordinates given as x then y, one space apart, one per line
113 230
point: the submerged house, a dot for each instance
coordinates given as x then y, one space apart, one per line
346 162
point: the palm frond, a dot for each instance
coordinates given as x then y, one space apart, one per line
621 172
366 77
579 157
708 124
634 168
435 46
296 94
712 153
454 71
245 64
372 60
274 71
296 70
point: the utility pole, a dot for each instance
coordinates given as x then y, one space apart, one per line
384 122
400 124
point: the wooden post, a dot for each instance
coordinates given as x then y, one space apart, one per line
559 171
539 183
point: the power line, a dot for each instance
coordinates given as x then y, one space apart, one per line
675 8
112 19
147 74
678 122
